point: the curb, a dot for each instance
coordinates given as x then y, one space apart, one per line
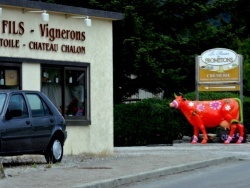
114 182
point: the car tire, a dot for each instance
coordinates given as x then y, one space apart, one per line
54 152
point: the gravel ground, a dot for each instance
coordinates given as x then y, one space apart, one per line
15 165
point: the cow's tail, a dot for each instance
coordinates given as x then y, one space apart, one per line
241 113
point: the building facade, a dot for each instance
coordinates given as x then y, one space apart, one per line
52 48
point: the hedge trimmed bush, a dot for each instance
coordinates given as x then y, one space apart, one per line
152 121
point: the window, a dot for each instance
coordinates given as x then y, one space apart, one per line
38 106
9 76
17 106
66 87
74 93
52 85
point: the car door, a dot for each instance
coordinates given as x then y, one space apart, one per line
17 127
43 121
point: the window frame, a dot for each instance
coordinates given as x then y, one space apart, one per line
73 120
5 65
17 61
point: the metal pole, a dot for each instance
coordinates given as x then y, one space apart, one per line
241 82
197 77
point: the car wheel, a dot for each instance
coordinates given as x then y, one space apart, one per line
54 153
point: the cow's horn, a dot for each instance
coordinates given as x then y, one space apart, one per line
181 94
175 95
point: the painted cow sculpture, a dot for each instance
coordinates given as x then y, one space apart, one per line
201 114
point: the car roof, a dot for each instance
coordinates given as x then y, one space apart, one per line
8 91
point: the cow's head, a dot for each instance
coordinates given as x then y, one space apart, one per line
178 99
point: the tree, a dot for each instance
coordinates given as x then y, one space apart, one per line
156 43
244 48
160 42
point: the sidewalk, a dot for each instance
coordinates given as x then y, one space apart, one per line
126 165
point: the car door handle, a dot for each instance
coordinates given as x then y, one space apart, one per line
28 122
52 120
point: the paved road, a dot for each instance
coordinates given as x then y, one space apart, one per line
230 175
126 165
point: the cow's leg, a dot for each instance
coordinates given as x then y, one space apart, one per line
204 132
196 134
241 132
230 136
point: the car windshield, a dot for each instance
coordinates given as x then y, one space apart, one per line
2 99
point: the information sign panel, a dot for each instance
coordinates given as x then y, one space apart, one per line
218 65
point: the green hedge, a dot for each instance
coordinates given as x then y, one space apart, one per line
152 121
146 122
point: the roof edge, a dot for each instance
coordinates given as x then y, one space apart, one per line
62 9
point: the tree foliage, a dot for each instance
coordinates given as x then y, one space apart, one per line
157 40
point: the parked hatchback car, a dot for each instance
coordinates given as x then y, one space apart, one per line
30 124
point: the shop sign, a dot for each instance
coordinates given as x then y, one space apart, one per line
219 65
10 28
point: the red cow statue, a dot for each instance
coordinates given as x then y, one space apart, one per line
201 114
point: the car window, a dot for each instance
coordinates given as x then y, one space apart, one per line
2 100
38 106
17 106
